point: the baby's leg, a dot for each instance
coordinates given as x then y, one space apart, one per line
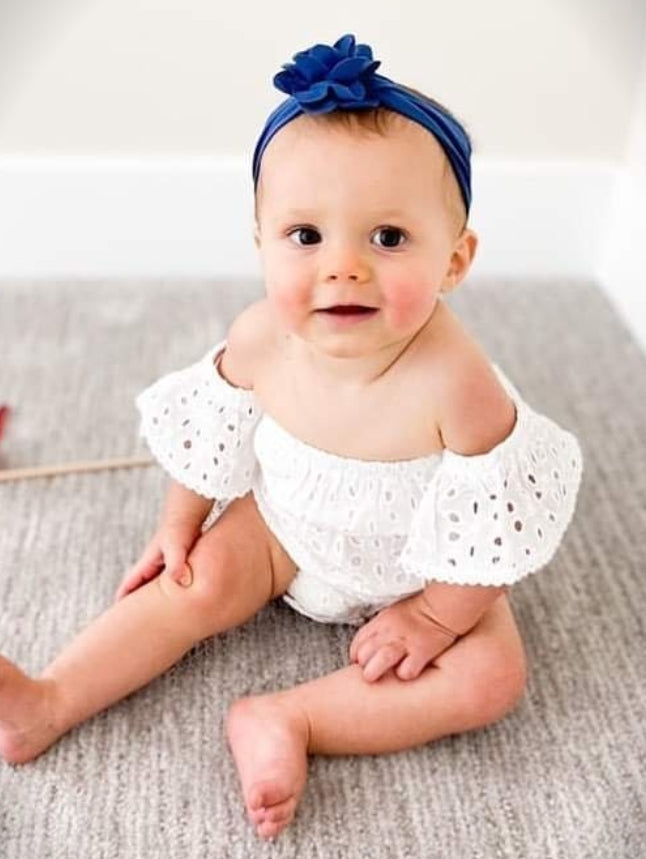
474 683
238 566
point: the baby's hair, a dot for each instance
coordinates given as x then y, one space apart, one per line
380 120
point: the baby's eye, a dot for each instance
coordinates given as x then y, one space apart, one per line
389 237
305 236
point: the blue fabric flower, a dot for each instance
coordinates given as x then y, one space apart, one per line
342 77
325 78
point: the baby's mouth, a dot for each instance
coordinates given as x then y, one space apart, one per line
349 310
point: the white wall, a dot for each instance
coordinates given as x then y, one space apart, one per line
126 127
531 78
622 268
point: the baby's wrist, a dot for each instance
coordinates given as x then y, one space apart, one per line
459 607
184 509
180 522
429 613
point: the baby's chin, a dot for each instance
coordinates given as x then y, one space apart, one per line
343 346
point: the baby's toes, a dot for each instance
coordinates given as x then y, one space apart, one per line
265 794
268 819
272 828
261 815
281 813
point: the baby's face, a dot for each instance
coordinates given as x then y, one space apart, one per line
356 235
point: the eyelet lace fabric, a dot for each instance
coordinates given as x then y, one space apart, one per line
200 429
495 518
373 531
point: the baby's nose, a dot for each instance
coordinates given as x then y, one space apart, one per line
345 265
350 276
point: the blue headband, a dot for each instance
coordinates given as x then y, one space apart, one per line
323 78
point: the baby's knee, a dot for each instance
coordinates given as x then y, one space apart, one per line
204 586
497 685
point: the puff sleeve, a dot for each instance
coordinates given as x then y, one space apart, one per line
492 519
200 429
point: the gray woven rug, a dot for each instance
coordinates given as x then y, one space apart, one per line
563 776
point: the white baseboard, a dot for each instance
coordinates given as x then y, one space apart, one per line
622 271
157 217
169 217
541 218
90 217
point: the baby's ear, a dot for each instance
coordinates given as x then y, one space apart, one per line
256 235
462 256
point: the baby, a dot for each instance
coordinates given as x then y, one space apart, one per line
348 447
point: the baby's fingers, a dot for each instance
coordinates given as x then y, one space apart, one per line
137 577
386 657
354 646
412 666
149 565
176 552
367 631
182 573
364 648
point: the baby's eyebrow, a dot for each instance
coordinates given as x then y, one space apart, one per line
391 215
300 214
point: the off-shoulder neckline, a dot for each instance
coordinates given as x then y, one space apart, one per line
394 464
340 459
331 458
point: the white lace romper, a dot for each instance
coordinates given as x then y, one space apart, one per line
366 533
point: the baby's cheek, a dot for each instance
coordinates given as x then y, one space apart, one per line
289 297
408 299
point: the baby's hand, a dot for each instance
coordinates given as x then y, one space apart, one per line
402 636
166 552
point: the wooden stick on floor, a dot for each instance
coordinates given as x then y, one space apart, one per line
11 474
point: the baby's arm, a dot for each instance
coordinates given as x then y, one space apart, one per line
477 415
184 510
410 634
248 342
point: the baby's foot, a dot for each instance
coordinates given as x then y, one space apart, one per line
26 710
269 743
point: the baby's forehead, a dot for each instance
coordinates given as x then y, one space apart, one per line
396 135
398 164
314 151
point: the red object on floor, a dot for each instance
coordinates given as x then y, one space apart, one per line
4 415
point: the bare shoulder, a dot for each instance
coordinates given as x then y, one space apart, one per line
474 411
250 336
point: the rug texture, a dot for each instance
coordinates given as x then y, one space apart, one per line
563 776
